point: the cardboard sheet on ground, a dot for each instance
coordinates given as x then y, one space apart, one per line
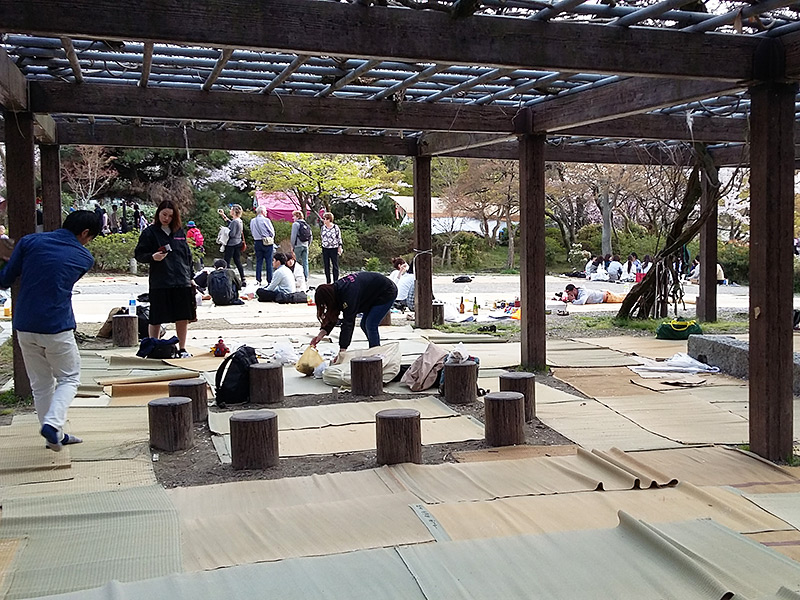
313 578
346 413
598 510
682 418
360 437
463 482
137 394
783 506
550 395
295 384
144 376
602 381
493 355
514 453
595 357
594 425
706 465
785 542
201 362
95 476
639 345
110 433
301 530
691 560
126 535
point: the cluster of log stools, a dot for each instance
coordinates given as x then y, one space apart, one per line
254 433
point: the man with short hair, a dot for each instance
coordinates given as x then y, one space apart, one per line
577 295
43 319
224 284
282 283
264 238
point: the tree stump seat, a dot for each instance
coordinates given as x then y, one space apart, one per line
170 422
505 418
525 384
366 375
254 439
196 389
266 383
398 436
461 382
125 330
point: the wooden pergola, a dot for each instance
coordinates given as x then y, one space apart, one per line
568 80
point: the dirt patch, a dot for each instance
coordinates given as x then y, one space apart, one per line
200 465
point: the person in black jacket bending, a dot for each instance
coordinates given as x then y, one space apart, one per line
163 246
369 293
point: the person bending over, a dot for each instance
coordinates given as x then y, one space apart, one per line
282 283
371 294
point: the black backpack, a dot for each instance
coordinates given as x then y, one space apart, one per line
233 377
303 231
221 287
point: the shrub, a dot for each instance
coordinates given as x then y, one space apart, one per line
467 250
373 263
578 257
113 252
735 260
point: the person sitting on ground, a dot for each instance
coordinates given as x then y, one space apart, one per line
591 266
282 283
224 284
600 273
720 275
694 271
400 268
630 268
577 295
647 263
300 283
614 268
405 290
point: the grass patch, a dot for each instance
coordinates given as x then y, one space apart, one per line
504 330
612 323
6 359
9 400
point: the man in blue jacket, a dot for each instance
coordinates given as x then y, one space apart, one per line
48 265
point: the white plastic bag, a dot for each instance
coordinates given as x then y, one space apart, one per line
338 375
222 237
285 354
320 369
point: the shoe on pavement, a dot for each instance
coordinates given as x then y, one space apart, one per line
71 439
51 436
182 353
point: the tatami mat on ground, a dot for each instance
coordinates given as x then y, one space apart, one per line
513 453
77 541
602 381
360 437
25 458
784 506
594 425
682 418
147 376
546 394
464 482
230 538
594 357
598 510
692 560
714 386
345 413
785 542
649 347
109 433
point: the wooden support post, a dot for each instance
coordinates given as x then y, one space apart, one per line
461 382
254 439
532 249
21 203
771 263
398 436
51 186
171 423
367 376
125 330
707 300
197 390
525 384
423 240
266 383
438 313
505 418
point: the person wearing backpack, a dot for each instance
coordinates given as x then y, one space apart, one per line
224 284
301 239
194 234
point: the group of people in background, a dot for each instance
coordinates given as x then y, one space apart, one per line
611 268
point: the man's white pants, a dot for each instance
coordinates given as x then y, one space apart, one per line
53 365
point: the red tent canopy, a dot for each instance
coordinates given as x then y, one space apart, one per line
279 205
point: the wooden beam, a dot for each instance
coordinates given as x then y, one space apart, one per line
223 59
298 61
156 137
707 300
667 127
772 159
621 99
44 128
72 57
195 105
423 243
13 87
432 144
351 30
532 250
147 64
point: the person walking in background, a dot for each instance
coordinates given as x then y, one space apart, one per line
48 265
163 246
233 249
263 240
113 219
371 294
301 239
331 240
193 233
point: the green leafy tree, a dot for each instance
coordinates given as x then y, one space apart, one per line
325 181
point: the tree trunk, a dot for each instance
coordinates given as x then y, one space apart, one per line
509 226
605 211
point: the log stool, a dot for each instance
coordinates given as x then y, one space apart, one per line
525 384
387 319
197 390
505 418
461 382
367 375
398 436
171 423
125 330
266 383
254 439
438 313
